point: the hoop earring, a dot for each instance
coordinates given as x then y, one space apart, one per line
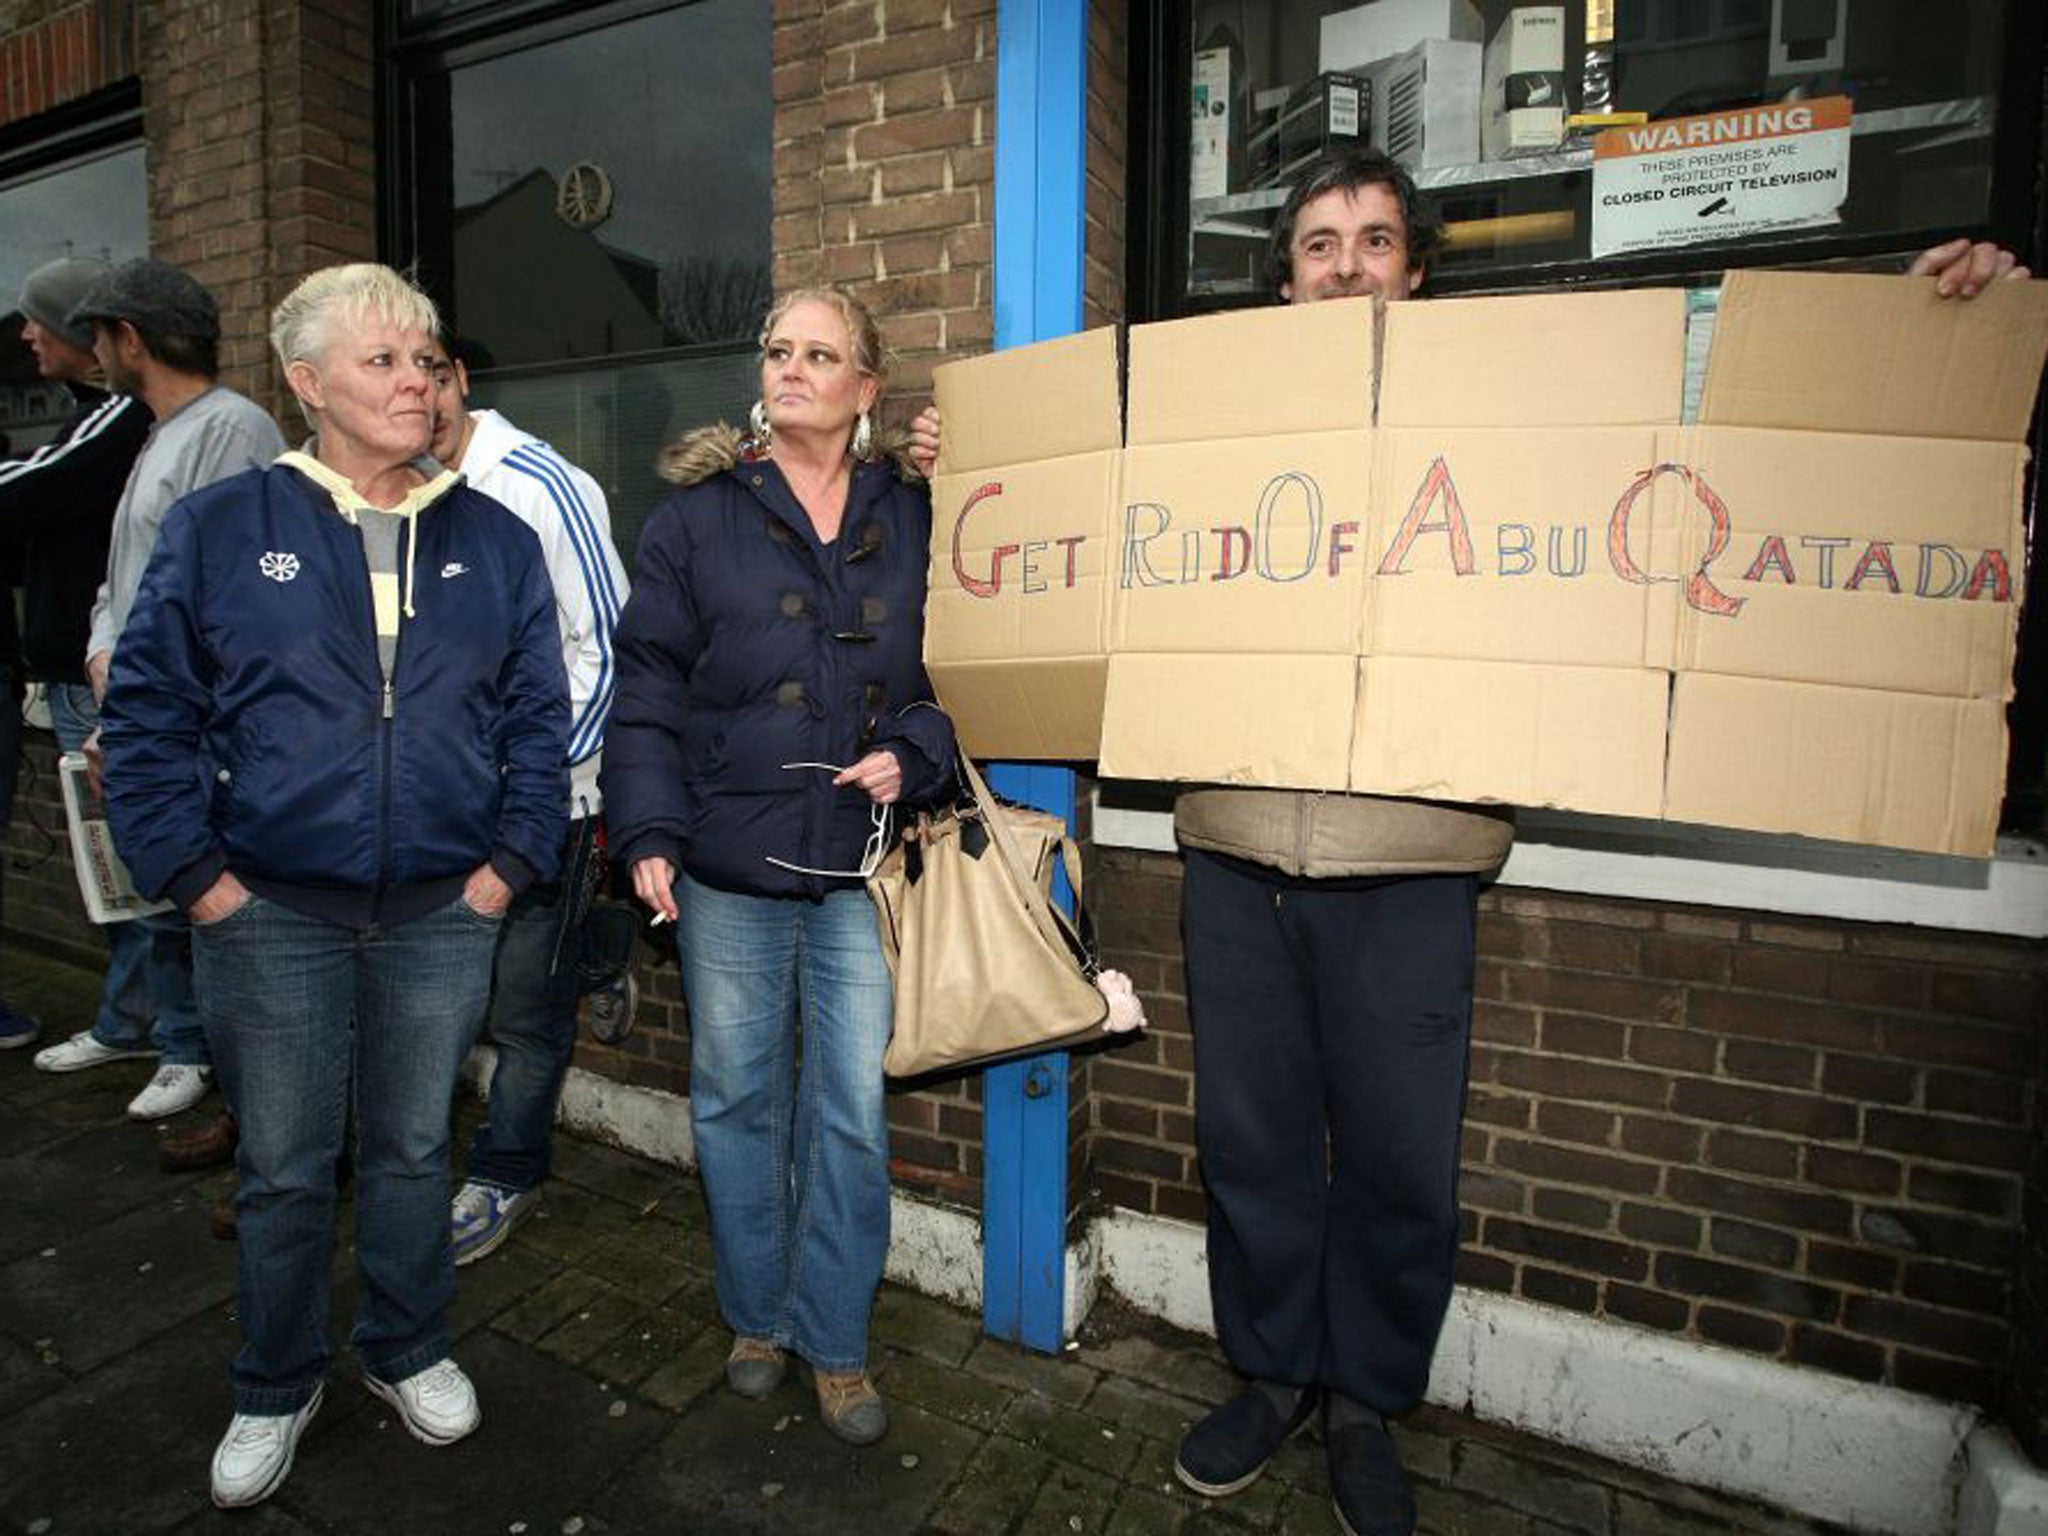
863 445
757 418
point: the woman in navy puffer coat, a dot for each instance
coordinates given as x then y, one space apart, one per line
772 711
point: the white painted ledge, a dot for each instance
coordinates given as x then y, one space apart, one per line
1709 866
1875 1458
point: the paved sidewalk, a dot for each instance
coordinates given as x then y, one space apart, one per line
595 1347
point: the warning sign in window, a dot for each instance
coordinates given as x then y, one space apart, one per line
1720 175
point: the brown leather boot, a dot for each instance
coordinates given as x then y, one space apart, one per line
208 1145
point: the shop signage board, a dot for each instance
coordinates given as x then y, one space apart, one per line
1396 549
1720 175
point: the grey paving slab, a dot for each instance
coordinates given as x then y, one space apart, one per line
549 1305
264 1520
1002 1479
1543 1493
24 1129
1073 1437
48 1194
1307 1512
550 1439
1062 1378
1134 1405
124 1449
1140 1512
659 1336
586 1331
949 1392
695 1370
97 1095
28 1370
104 1289
731 1468
1456 1512
1171 1366
494 1285
573 1231
919 1325
652 1260
650 1189
1070 1500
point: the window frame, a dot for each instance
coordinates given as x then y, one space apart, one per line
83 129
1162 32
410 54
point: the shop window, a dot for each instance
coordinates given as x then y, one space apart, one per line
95 204
593 215
1891 121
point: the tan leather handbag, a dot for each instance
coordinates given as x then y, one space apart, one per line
985 966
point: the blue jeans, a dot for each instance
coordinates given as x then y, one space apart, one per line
149 959
280 991
533 1022
795 1161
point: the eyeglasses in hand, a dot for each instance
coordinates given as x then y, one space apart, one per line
882 818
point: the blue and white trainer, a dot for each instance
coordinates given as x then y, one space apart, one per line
483 1216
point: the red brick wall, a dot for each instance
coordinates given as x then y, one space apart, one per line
1108 139
2027 1403
1804 1139
54 55
884 170
260 122
43 907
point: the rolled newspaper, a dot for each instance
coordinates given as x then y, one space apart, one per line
103 880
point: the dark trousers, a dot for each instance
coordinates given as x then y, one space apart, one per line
1331 1023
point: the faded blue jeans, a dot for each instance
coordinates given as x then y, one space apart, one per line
149 959
795 1160
281 991
534 991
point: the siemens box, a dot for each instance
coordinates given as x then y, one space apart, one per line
1523 94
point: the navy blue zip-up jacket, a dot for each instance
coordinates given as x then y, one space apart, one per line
246 724
746 644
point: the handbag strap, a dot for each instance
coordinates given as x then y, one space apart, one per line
1035 903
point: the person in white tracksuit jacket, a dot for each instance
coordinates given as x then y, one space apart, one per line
534 989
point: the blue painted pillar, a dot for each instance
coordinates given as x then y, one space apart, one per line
1041 181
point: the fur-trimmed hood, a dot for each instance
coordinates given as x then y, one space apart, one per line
697 456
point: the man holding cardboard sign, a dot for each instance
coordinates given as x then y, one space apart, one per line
1330 937
1330 950
1330 957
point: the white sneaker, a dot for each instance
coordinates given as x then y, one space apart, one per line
82 1051
438 1404
254 1456
172 1089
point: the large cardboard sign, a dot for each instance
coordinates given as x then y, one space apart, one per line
1468 550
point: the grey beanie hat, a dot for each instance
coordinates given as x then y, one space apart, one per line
53 290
